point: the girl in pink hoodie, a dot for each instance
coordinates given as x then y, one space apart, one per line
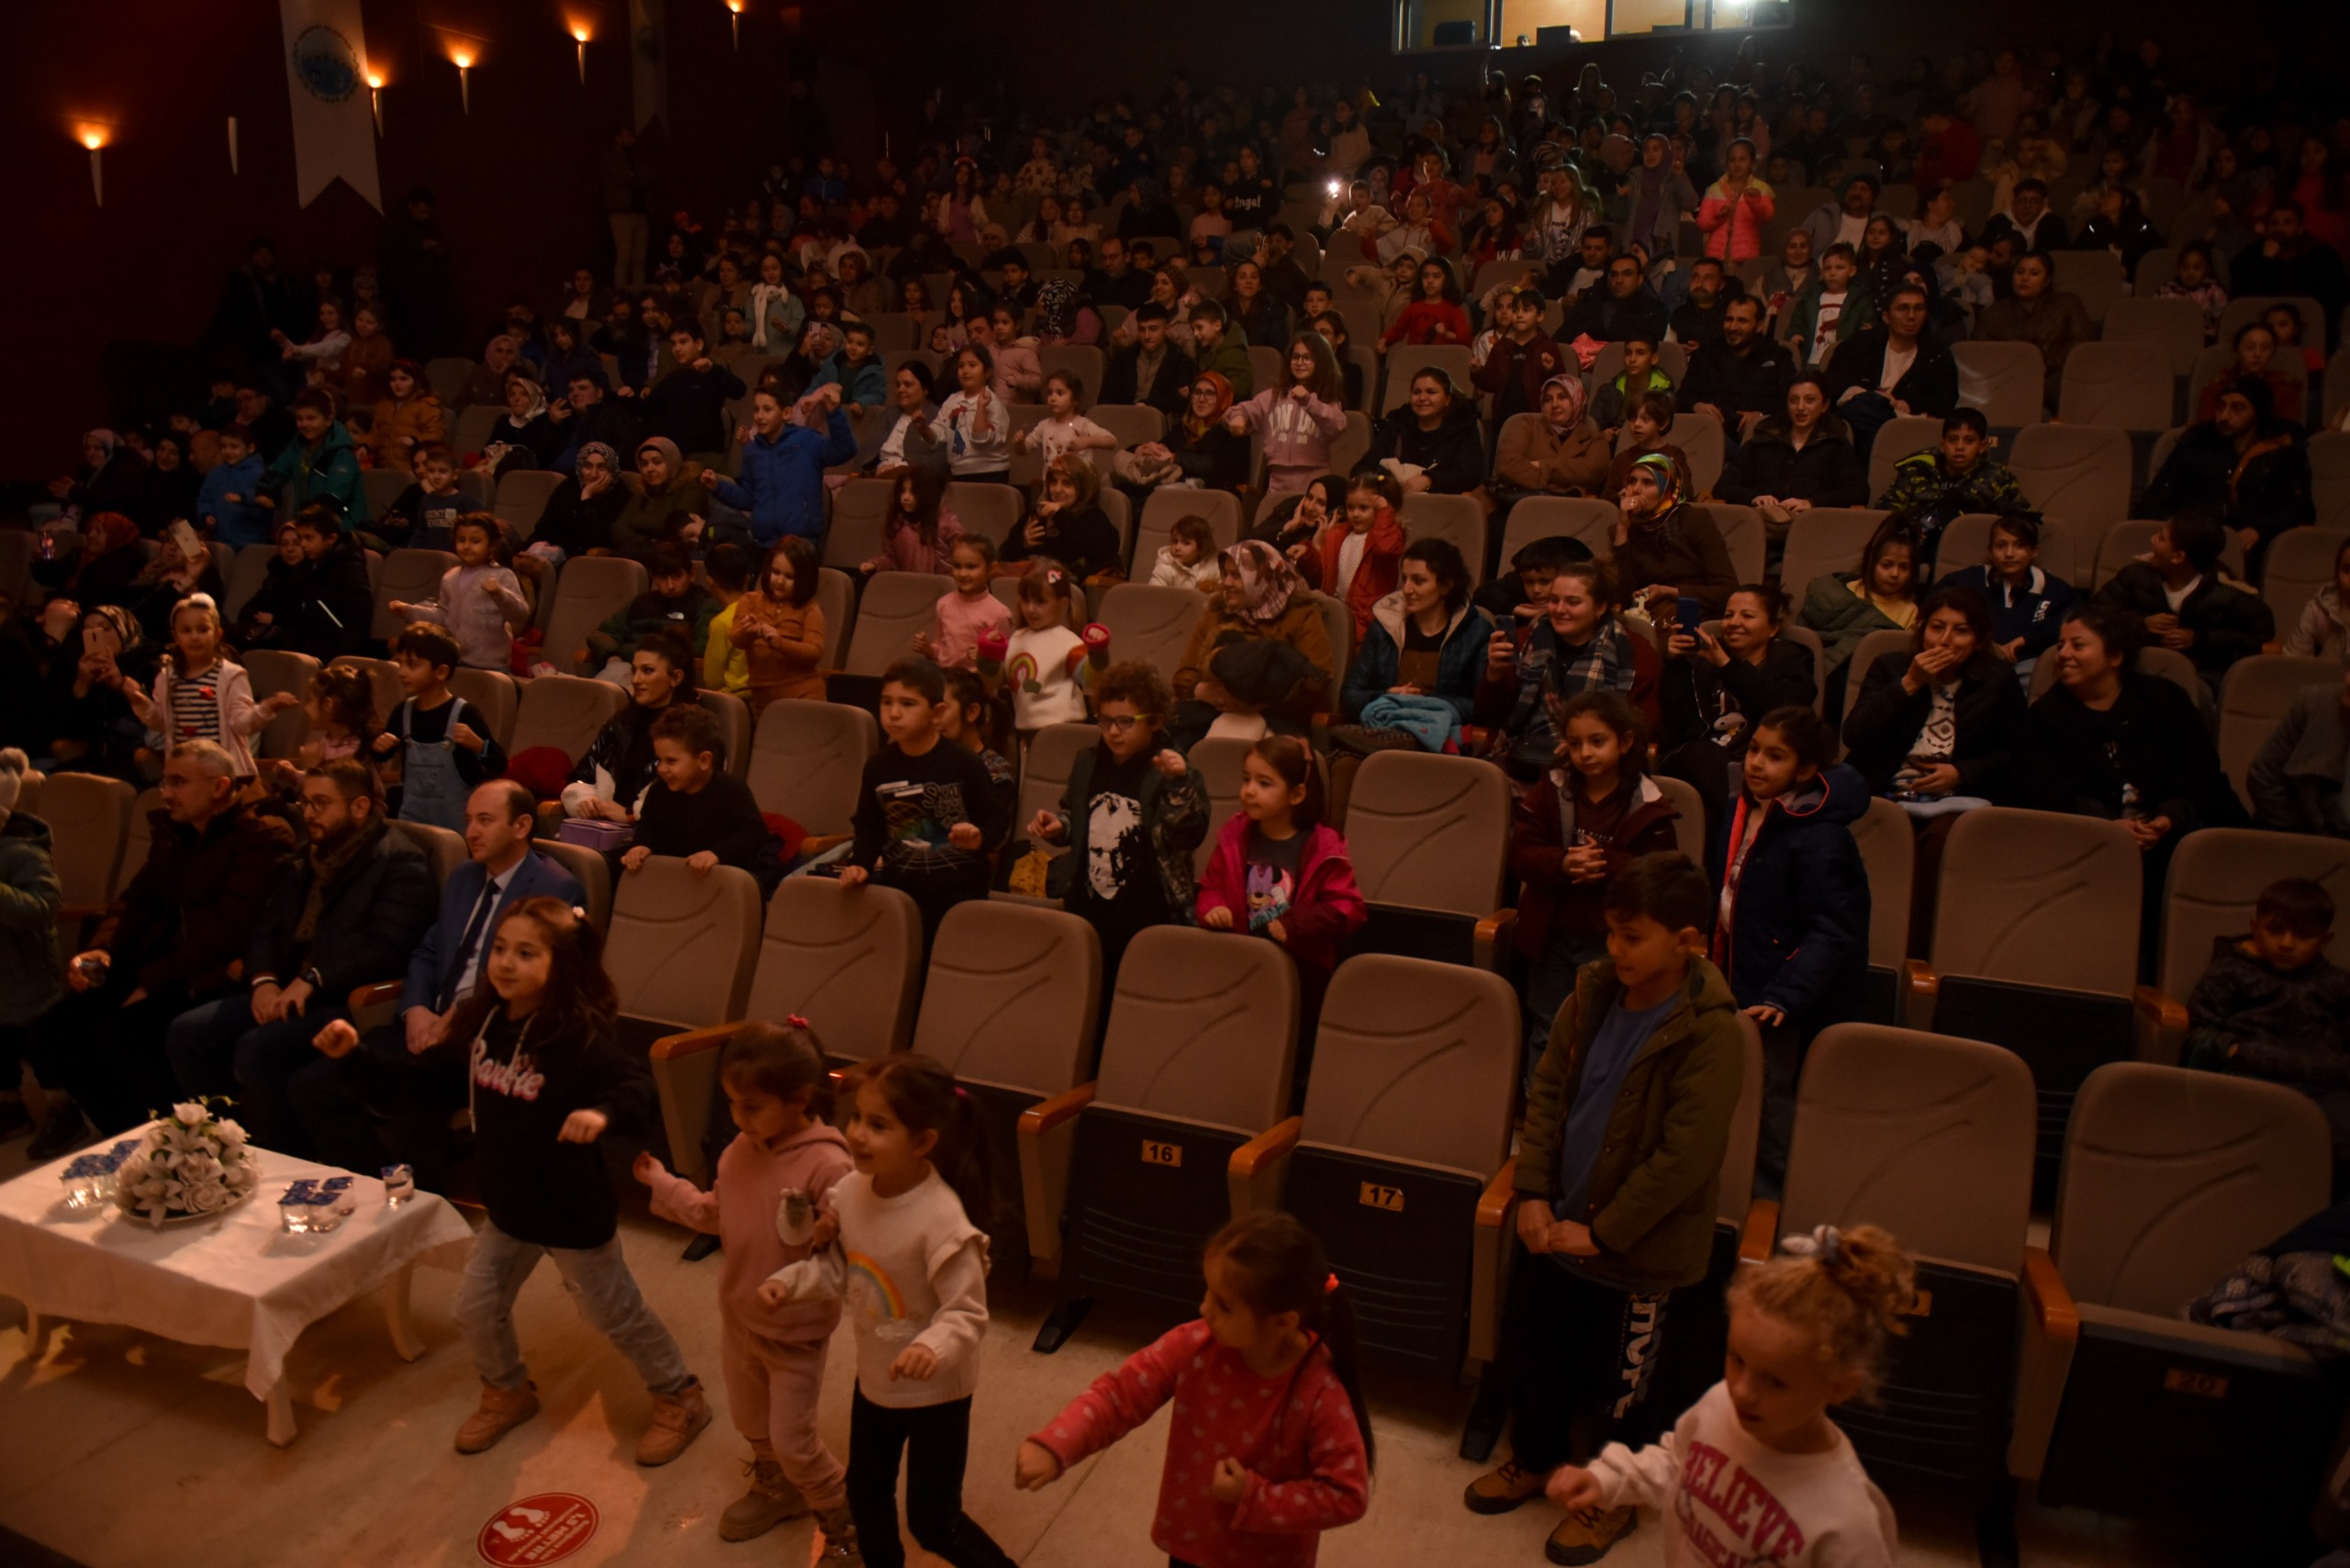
1299 420
772 1180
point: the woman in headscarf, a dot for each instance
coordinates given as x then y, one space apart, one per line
103 570
111 477
1063 316
1660 194
168 489
1557 451
1666 548
670 494
1262 600
96 730
487 383
580 513
1198 450
170 577
526 437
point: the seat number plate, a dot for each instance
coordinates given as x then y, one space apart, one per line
2181 1380
1375 1196
1156 1153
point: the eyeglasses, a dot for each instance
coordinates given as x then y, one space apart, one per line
1118 727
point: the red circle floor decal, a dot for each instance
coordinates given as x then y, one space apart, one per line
546 1528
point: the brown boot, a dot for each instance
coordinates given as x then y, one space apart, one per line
840 1540
771 1500
1499 1491
503 1410
678 1418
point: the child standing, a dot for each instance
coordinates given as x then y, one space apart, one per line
1618 1170
974 422
443 742
971 720
696 809
913 1269
772 1179
481 599
724 666
547 1081
225 503
1358 555
425 515
928 814
2272 1006
340 707
2193 277
1281 872
968 613
1806 1333
781 628
1189 558
1131 815
201 694
1063 430
920 530
1041 663
1578 828
1250 1482
1299 420
1791 930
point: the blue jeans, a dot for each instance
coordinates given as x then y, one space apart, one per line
1549 981
600 1285
216 1048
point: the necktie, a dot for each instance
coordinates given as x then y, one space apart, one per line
466 948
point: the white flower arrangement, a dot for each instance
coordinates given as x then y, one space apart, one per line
186 1164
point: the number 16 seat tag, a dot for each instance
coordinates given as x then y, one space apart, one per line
1156 1153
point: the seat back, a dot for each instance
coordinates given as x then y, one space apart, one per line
2004 380
2123 542
1897 438
245 578
1872 646
382 487
2096 277
1888 849
1152 624
89 822
475 427
1156 526
443 850
807 761
1689 816
492 693
1700 437
1081 361
2033 897
1459 519
590 870
522 497
2076 473
836 597
2173 327
591 590
856 535
894 607
2172 1176
384 689
2300 561
2125 386
1012 996
2254 306
1572 516
1967 543
1823 540
2253 695
1429 832
1415 1061
272 672
1929 1136
848 959
990 509
681 943
1202 1028
2329 475
733 717
565 712
1135 424
447 377
2215 879
408 574
1406 361
1746 538
1217 762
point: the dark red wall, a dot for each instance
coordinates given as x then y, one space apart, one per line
516 177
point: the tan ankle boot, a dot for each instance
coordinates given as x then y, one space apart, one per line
678 1418
840 1540
771 1500
503 1410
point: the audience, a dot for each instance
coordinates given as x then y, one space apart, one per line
2027 602
696 811
2186 602
1879 595
1795 460
2244 465
2295 780
1936 487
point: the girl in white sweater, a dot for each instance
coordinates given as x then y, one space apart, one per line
481 599
1755 1472
911 1269
202 694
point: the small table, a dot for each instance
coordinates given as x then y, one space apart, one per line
238 1280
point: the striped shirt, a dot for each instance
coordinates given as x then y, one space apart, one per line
196 703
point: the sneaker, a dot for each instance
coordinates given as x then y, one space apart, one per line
63 1130
839 1533
771 1500
1585 1534
1499 1491
503 1410
678 1419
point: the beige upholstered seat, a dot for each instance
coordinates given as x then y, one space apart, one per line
2077 473
1570 517
894 607
1461 520
409 575
2255 693
1896 439
1967 543
1217 762
2004 380
89 822
2300 561
807 761
856 532
1152 532
522 497
383 687
567 712
272 672
493 693
2174 325
1824 540
733 717
443 850
590 870
1043 772
1153 625
590 591
2124 385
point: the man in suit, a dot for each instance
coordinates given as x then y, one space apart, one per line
395 1072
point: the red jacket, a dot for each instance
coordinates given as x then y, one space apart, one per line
1537 853
1530 363
1375 578
1418 323
1325 911
1296 1433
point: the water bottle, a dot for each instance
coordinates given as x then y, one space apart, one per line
399 1185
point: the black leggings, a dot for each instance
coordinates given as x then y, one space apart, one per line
937 1439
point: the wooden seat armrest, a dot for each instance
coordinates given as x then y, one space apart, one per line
1500 1196
1272 1144
2052 1307
818 843
375 995
1490 929
668 1047
2163 1011
1045 1115
1917 978
1760 1233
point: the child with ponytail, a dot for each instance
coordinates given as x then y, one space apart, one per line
1047 666
1251 1479
911 1269
772 1179
1807 1331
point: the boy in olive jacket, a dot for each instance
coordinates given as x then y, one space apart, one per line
1618 1172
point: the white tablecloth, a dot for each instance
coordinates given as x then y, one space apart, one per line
238 1280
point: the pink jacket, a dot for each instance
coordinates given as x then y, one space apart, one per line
1327 909
1734 231
1297 436
1019 378
741 1209
1296 1433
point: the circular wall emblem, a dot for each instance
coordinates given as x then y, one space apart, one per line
546 1528
326 63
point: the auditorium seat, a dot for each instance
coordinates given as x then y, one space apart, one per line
1888 845
273 671
1152 624
590 590
1898 438
385 693
2036 950
1429 838
2120 543
990 509
565 712
734 716
493 694
1459 519
848 959
2077 473
1186 1120
89 820
855 534
522 497
2253 696
2005 380
2299 563
1218 761
1570 517
1872 646
2173 326
244 578
807 762
1043 772
2125 386
1824 540
1747 538
1966 541
2171 1178
1406 1128
1153 529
